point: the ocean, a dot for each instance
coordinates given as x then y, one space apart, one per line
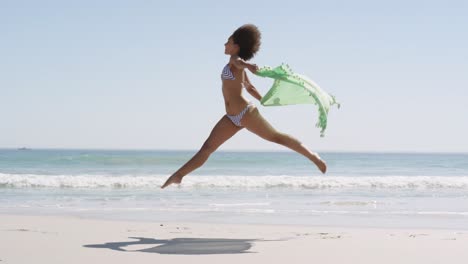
402 190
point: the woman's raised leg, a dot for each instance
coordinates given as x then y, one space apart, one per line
221 132
255 123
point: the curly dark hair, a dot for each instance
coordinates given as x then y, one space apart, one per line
248 38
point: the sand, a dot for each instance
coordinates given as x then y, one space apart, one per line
63 239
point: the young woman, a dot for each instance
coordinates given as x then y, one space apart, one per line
241 46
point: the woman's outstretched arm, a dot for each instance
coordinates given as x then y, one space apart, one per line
251 89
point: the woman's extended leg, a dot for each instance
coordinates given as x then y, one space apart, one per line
255 123
221 132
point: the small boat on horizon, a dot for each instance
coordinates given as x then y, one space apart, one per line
24 148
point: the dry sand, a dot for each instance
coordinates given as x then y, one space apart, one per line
61 239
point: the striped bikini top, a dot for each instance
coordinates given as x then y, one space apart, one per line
226 74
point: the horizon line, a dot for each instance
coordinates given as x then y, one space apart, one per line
241 150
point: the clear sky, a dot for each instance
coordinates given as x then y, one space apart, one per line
146 74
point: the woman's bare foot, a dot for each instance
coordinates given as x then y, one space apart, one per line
322 166
173 179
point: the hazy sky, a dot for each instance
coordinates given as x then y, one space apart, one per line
146 74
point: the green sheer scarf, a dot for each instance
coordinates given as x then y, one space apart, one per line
292 88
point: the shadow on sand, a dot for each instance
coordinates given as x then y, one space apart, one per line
184 246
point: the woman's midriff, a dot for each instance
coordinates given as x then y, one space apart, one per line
234 101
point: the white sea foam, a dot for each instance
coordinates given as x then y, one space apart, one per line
251 182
